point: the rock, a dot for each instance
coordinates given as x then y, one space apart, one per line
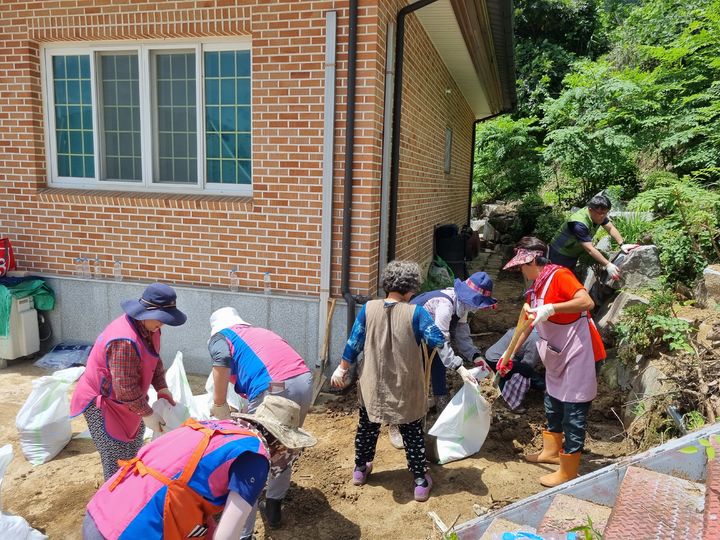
609 314
708 334
707 292
502 218
647 384
604 244
639 268
489 233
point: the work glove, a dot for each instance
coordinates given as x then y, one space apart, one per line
154 422
613 271
221 412
480 362
542 313
627 248
166 395
467 376
339 377
504 366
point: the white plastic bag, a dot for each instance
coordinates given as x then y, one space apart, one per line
43 422
14 527
233 398
178 384
462 427
172 415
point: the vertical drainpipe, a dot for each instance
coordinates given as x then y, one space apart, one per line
327 175
397 106
387 144
472 169
349 155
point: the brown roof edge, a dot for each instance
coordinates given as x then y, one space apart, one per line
487 28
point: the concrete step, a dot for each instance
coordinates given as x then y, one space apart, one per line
567 512
656 506
711 517
500 526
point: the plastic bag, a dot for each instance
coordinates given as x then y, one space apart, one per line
463 425
439 276
14 527
172 415
179 386
235 400
43 421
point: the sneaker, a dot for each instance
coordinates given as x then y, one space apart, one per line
422 489
395 437
359 476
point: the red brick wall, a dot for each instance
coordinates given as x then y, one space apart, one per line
196 240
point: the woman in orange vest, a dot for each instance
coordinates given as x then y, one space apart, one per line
177 483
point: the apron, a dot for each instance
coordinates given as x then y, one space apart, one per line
567 353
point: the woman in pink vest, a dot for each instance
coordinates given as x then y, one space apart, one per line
179 482
123 363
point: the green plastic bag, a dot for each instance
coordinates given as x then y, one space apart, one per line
439 276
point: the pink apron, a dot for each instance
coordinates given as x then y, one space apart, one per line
567 353
95 385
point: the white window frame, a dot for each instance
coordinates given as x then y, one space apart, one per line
148 114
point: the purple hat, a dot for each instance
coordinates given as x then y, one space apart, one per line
157 303
476 291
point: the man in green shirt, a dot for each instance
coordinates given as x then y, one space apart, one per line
575 236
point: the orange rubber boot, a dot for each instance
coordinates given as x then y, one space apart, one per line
552 443
569 465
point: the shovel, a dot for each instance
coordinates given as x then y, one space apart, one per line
319 376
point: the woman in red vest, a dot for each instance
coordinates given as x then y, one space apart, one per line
123 363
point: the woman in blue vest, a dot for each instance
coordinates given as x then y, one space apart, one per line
180 481
576 235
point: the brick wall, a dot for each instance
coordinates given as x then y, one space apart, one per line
196 240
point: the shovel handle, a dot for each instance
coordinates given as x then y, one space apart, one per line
524 320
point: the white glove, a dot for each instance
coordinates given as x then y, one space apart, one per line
613 271
467 376
627 248
339 377
221 412
542 313
154 422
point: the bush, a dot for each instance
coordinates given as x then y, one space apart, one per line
548 225
530 209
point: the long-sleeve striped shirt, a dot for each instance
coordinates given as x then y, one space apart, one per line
423 327
125 372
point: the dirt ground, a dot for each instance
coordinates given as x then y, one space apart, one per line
322 503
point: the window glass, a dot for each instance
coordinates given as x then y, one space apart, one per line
120 91
73 116
227 117
176 129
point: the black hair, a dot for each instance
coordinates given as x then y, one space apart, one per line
534 244
600 202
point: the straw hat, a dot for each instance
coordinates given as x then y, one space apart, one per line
281 417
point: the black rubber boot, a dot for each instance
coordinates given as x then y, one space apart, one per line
272 512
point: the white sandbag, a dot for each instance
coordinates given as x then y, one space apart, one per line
179 385
43 422
14 527
233 398
172 415
463 425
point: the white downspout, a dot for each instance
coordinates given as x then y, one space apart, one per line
387 148
327 176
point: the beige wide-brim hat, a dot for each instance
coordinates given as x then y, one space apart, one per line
281 417
225 317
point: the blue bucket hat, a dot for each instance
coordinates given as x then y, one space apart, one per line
157 303
476 291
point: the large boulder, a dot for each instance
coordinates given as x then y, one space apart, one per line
503 217
639 268
609 314
707 292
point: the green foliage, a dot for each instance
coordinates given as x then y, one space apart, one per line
587 531
530 209
687 231
694 420
548 224
646 328
633 227
507 163
706 443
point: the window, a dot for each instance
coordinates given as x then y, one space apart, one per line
150 117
